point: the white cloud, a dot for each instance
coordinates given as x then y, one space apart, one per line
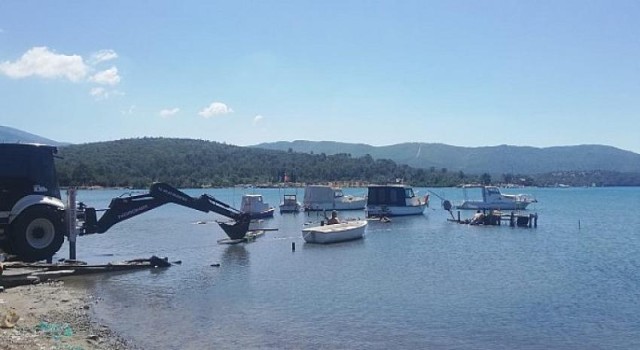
257 119
102 56
99 93
41 62
166 113
106 77
215 108
129 110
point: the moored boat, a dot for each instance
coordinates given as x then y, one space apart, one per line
290 204
256 207
344 231
493 199
394 200
320 197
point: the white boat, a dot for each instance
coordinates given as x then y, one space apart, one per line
256 207
493 199
394 200
320 198
290 204
344 231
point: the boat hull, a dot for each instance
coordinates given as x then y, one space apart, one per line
335 233
479 205
262 214
290 208
387 210
352 205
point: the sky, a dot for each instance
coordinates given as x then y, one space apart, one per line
465 73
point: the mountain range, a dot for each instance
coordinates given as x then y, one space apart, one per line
501 159
11 135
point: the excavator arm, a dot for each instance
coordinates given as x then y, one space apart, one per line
123 208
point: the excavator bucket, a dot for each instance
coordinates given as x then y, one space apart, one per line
236 230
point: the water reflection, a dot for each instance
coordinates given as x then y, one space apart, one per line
339 245
235 254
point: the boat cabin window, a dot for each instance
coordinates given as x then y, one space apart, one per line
492 191
408 193
252 199
337 194
386 195
393 196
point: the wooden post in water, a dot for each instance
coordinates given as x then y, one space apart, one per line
512 222
293 246
535 221
458 215
71 221
530 220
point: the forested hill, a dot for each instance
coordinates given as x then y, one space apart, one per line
194 163
477 160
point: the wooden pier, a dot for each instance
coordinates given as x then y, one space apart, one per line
496 218
16 273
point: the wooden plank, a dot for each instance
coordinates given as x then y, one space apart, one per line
52 275
8 282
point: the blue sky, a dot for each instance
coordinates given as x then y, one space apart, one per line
465 73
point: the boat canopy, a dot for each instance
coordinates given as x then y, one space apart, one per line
389 195
252 203
319 194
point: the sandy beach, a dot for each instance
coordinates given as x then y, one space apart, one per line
52 316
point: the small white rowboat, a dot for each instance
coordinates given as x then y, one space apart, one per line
341 232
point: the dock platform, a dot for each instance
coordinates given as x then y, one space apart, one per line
496 218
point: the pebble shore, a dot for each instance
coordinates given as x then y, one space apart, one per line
53 316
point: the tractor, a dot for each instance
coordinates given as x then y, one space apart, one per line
34 220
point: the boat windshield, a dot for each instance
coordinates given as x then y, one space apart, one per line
408 193
337 193
248 200
494 191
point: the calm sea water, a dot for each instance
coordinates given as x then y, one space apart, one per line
415 283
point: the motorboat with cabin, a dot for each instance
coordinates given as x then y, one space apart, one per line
321 197
394 200
290 204
344 231
254 205
493 199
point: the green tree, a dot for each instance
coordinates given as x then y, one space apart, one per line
485 179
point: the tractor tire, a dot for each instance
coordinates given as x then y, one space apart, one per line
37 233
